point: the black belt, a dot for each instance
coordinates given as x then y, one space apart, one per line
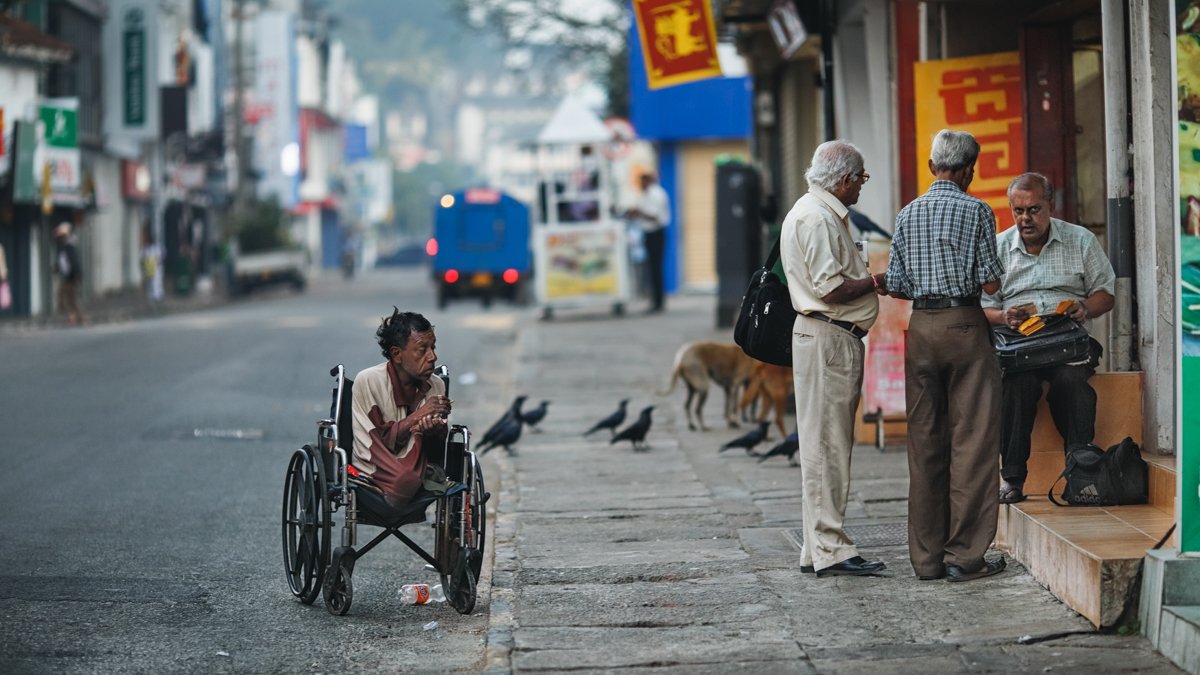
945 303
844 325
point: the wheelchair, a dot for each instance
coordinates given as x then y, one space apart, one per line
319 482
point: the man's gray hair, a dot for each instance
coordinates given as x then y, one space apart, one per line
831 161
1027 181
953 150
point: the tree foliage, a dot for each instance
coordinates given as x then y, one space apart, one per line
588 32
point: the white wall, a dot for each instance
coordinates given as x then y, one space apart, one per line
864 103
107 229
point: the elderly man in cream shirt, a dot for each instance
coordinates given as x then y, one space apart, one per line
835 298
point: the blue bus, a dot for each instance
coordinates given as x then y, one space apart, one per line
480 247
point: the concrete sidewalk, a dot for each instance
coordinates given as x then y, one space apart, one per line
683 560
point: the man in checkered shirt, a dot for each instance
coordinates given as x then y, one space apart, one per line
1047 261
943 255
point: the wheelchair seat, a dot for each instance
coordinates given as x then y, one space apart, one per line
374 509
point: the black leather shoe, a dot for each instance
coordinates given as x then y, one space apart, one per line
990 567
855 566
807 569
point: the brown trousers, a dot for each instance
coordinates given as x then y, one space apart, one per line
952 391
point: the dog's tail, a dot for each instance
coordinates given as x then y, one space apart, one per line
675 371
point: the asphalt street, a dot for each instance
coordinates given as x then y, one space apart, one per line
141 480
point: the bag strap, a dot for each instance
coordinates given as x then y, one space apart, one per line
1050 493
773 256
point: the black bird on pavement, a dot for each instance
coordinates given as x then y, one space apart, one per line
532 417
787 447
508 433
749 439
513 412
612 421
636 433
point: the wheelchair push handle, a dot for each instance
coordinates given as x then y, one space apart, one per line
443 371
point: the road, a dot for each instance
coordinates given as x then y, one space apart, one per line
140 533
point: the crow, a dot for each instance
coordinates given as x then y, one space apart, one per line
787 447
749 439
532 417
636 433
514 411
508 433
612 421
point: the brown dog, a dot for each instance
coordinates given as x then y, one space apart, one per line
697 363
771 385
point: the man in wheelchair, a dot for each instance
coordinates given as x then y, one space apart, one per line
399 406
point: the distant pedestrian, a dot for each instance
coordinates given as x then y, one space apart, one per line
943 254
5 289
152 276
70 273
835 298
652 214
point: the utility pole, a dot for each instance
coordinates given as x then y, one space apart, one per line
240 197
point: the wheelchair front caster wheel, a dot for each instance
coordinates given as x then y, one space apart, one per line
339 589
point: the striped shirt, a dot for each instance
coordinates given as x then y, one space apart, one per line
944 245
1071 266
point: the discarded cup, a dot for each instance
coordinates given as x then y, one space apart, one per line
432 625
421 594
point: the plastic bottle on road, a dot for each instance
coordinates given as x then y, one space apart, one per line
421 594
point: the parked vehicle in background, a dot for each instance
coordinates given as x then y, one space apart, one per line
261 252
249 271
480 247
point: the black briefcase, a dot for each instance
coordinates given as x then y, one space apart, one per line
1062 341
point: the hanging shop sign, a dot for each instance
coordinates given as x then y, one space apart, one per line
678 40
980 95
131 75
787 30
58 148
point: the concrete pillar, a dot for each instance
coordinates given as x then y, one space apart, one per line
1155 215
1116 81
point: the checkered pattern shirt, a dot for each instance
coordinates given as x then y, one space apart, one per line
1070 266
944 245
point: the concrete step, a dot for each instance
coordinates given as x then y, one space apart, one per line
1170 606
1089 556
1179 636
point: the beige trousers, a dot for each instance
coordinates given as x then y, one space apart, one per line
827 367
952 391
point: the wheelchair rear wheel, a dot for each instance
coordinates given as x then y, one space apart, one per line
306 524
462 527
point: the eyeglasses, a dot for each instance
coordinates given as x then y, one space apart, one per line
1032 211
862 177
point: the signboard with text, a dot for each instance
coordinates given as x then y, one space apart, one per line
678 41
58 148
277 133
980 95
131 74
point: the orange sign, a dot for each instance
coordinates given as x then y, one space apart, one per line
980 95
679 42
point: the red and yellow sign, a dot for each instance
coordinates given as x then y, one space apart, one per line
679 41
980 95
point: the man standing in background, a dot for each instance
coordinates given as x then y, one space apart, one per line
70 275
652 213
